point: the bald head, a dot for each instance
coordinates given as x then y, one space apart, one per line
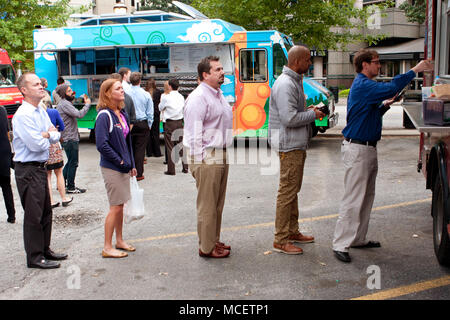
299 59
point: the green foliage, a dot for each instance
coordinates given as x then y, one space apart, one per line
344 93
321 24
19 18
415 12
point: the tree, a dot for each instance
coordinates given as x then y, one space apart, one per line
18 19
328 24
415 11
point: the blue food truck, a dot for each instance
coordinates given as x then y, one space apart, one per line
162 45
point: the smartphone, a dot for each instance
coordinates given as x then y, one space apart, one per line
399 95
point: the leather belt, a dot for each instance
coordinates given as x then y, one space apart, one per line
34 164
366 143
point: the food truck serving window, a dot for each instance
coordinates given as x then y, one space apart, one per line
253 65
87 62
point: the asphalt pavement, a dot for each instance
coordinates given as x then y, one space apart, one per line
166 264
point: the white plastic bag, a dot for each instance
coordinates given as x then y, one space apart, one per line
134 208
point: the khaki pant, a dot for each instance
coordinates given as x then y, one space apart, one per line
211 180
361 168
291 176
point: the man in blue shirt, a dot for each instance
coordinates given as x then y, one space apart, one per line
33 133
143 105
365 108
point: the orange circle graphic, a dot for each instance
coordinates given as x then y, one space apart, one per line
252 116
263 91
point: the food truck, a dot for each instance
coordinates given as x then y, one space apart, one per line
431 117
163 45
10 96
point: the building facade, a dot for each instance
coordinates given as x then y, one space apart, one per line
402 47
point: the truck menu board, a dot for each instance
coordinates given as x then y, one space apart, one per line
184 59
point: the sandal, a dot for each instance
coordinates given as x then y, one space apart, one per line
129 248
107 255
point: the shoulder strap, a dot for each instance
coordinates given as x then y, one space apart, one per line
110 119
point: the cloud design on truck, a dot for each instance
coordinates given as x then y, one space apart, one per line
205 31
50 39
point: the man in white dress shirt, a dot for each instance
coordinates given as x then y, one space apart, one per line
171 107
33 134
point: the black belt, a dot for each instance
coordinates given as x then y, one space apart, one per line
366 143
34 164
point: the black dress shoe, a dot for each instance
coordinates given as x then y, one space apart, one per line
343 256
66 203
50 255
44 264
370 244
55 205
168 173
11 220
185 170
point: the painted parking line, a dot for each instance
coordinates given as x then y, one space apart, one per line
408 289
270 224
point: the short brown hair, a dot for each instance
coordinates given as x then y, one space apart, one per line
135 78
22 80
104 99
123 71
205 65
363 55
116 76
174 83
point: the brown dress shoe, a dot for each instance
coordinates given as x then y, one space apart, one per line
216 253
287 248
300 238
223 245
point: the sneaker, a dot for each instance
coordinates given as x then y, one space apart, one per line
300 238
76 190
287 248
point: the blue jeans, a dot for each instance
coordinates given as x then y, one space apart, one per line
70 169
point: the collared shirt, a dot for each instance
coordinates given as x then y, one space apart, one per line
364 112
208 121
28 123
143 104
172 104
126 86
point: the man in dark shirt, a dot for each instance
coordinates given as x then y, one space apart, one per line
365 109
5 165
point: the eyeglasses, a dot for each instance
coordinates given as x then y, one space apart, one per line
375 61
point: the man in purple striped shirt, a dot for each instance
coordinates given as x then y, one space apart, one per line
208 123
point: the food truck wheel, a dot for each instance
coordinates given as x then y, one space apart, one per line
440 234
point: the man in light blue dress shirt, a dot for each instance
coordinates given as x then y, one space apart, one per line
33 133
143 105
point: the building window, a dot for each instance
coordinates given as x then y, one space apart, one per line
253 65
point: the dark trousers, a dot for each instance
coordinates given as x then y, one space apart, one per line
153 145
35 198
5 183
70 169
171 140
139 138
